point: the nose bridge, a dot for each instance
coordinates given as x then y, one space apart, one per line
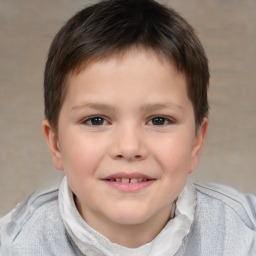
129 142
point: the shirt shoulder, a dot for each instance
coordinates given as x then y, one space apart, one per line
241 204
25 209
224 223
34 226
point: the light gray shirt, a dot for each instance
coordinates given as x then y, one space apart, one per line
210 220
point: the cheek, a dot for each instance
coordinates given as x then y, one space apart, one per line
174 153
81 159
82 155
174 157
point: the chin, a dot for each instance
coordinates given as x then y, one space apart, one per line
130 217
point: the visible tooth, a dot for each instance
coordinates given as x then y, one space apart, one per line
144 179
112 179
140 179
118 179
133 180
125 180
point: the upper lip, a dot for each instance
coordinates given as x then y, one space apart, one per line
133 175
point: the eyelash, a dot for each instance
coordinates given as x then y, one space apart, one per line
162 121
93 118
160 118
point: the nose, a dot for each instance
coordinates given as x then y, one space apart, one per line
129 144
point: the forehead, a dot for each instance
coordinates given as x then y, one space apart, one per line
140 53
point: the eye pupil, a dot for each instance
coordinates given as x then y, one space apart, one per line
158 121
97 121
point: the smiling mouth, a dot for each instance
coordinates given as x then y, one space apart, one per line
128 180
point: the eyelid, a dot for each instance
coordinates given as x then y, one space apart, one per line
169 119
85 120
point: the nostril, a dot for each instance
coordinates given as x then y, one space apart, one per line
120 156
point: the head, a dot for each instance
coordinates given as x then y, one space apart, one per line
126 106
110 27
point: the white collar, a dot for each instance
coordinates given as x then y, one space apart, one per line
92 243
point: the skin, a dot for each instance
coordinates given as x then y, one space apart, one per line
145 125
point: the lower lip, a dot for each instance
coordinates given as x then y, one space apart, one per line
129 187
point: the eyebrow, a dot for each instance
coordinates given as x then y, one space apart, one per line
151 107
159 106
91 105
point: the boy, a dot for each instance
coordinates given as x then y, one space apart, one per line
126 119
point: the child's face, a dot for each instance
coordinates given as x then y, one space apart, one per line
126 139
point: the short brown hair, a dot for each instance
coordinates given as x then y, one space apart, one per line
114 26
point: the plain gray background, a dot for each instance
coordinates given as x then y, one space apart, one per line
227 30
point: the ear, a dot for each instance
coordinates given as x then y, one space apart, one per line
53 144
198 144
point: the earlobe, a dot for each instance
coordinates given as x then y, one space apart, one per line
198 144
53 144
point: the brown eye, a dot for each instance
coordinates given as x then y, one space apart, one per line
96 120
158 120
